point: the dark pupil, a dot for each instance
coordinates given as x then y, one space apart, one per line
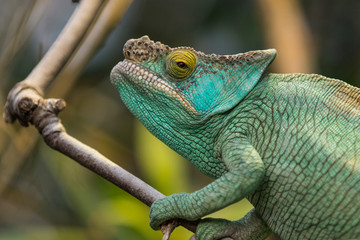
181 65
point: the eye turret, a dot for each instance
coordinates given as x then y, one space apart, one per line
180 64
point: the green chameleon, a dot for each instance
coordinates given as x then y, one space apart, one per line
289 143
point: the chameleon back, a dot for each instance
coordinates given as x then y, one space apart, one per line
306 128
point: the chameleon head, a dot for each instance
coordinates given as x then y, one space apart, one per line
175 82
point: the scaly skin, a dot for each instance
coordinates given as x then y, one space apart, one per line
287 142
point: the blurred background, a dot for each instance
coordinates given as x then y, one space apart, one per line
45 195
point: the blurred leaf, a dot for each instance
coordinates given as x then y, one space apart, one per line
234 211
123 212
43 232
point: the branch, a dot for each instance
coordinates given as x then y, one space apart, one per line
25 103
290 39
109 18
42 113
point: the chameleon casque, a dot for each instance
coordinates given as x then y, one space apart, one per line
289 143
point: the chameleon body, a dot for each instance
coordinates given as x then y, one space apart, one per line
289 143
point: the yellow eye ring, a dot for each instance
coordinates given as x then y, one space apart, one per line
180 64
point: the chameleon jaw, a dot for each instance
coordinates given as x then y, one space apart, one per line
149 81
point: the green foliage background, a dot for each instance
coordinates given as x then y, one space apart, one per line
51 196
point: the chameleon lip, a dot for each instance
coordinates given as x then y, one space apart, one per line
146 79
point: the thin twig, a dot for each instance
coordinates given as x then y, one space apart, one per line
65 45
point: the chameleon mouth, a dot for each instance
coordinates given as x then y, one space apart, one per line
146 79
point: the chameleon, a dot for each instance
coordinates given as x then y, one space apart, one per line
289 143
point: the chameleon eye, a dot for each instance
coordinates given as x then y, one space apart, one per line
180 64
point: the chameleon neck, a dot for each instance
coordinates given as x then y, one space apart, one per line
196 144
